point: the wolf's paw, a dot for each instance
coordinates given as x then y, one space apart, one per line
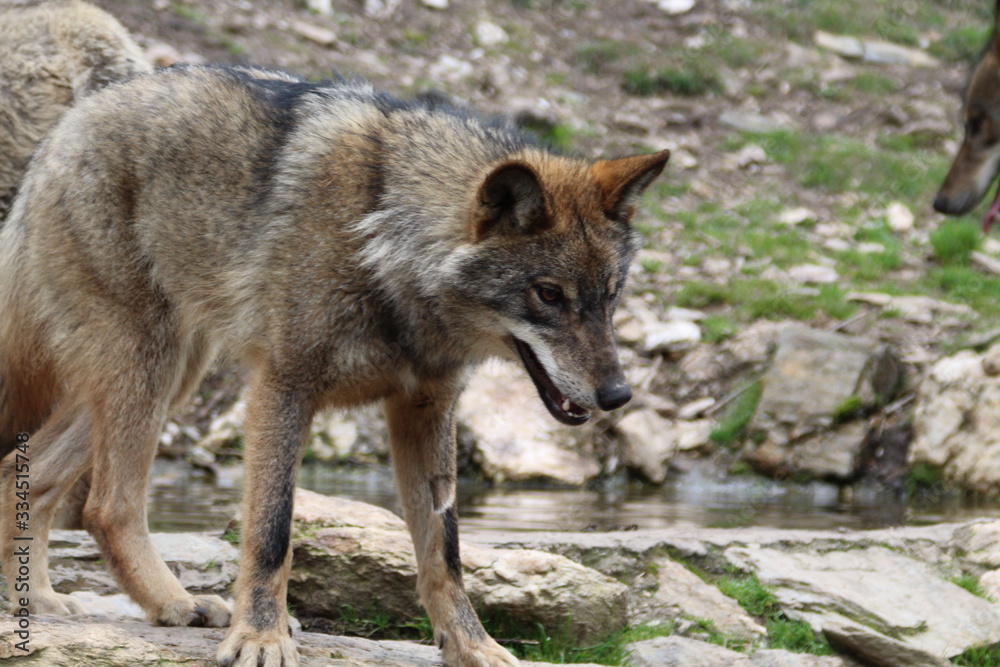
482 654
56 604
245 647
201 611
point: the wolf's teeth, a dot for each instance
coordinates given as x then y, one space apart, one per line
565 404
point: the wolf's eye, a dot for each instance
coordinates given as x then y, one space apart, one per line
549 293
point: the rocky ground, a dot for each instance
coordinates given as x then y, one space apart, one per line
673 597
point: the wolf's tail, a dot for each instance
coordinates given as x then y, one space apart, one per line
28 388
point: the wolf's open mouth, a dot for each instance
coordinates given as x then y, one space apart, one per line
561 407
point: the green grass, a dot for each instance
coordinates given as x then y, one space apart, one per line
848 409
835 163
923 479
686 80
373 622
717 328
970 583
601 55
954 241
531 641
738 415
986 656
963 284
755 298
875 83
962 43
782 632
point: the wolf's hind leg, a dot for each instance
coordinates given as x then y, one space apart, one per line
33 482
422 434
130 408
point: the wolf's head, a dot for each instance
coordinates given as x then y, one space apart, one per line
551 242
978 160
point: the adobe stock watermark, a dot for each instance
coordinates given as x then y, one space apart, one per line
19 589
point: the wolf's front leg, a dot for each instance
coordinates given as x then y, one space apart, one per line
422 433
276 426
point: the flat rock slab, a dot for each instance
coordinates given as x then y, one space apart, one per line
682 590
877 649
203 562
683 652
113 642
889 592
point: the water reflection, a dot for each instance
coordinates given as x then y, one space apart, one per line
182 500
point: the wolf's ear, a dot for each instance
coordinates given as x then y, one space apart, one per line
510 200
623 181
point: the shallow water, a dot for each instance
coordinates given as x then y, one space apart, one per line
182 499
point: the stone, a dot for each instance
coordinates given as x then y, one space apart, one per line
649 442
490 34
675 6
380 9
515 438
321 7
538 587
832 454
349 553
203 562
991 361
435 4
989 584
319 34
116 642
695 408
449 68
873 50
816 373
745 121
876 649
869 247
687 596
797 216
226 429
671 336
813 274
927 310
899 217
750 155
979 543
674 651
886 591
780 658
644 445
988 263
956 422
815 379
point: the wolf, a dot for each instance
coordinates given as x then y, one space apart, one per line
346 247
52 53
977 162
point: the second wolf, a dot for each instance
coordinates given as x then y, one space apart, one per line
52 53
345 246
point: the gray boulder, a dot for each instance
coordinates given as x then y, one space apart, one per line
350 553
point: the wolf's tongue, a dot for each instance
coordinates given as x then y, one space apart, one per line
992 213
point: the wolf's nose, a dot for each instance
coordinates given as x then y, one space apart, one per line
613 394
941 204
